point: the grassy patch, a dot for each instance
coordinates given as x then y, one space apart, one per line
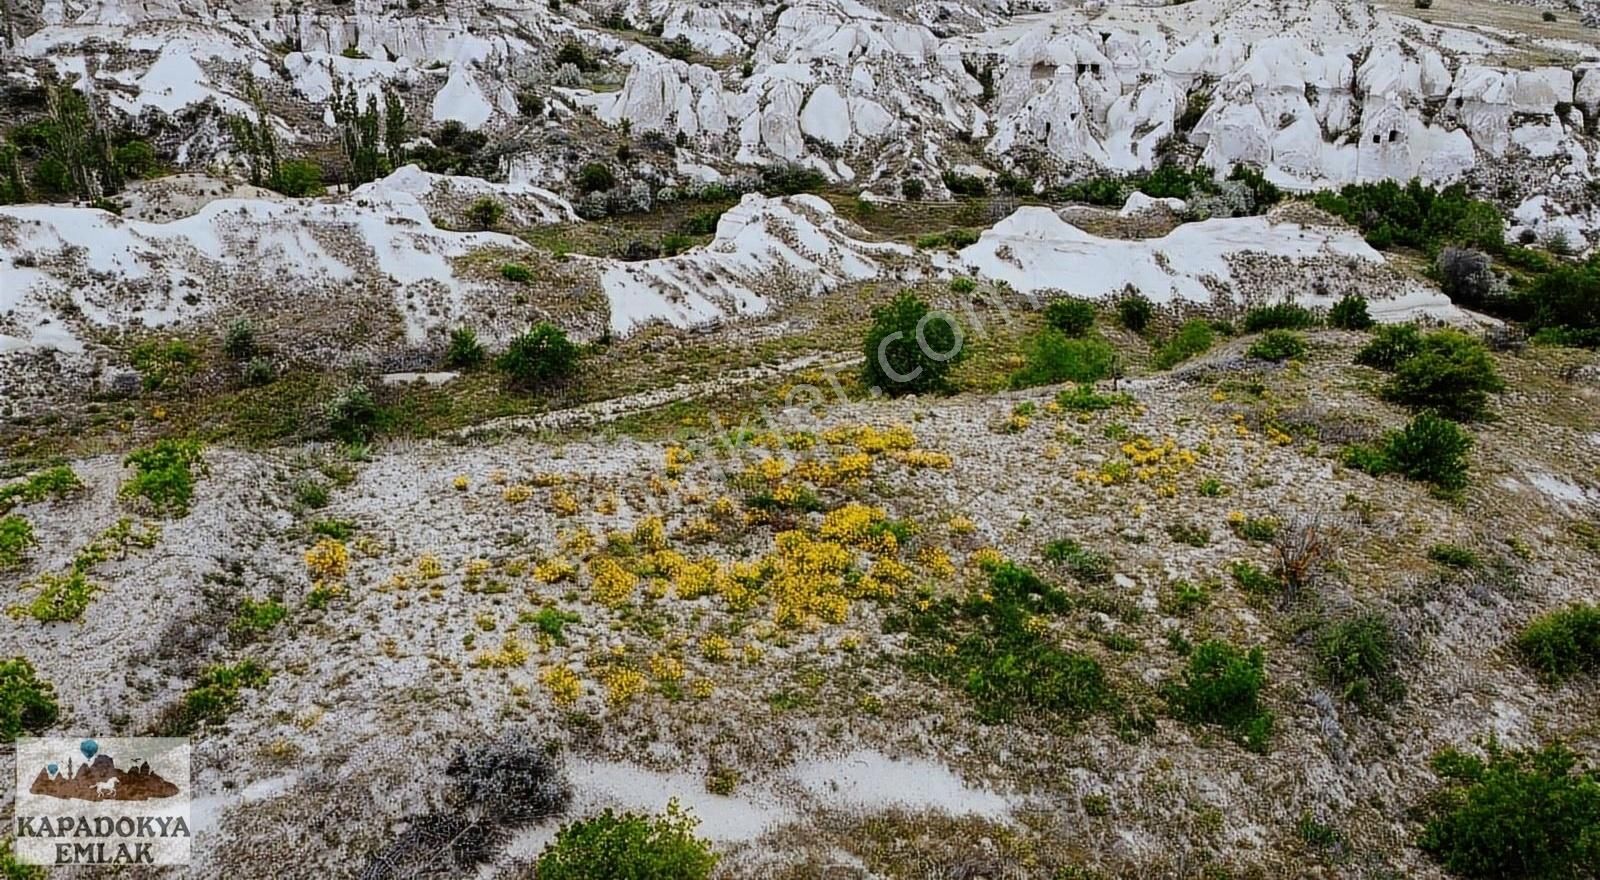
216 694
164 475
1222 685
990 645
1562 643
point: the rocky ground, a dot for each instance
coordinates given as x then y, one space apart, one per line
595 594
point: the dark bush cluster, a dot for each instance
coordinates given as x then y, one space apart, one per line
1073 317
909 348
1284 315
1429 449
1563 643
1446 371
1416 215
1052 356
1278 345
1360 657
1222 685
538 358
1528 814
27 703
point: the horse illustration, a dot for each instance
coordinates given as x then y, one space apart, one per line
105 789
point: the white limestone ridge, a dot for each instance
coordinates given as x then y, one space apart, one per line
1316 92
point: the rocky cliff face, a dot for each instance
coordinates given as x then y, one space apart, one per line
1316 92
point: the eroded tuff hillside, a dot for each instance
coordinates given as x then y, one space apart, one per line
1317 93
761 622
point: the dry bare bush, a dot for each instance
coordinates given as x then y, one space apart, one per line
1305 544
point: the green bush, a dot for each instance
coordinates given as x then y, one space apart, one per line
136 159
912 189
628 846
1089 566
984 644
464 351
1564 305
164 475
27 704
1074 317
1453 556
1196 336
1278 316
896 361
791 178
16 536
1135 312
951 239
298 178
1562 643
258 617
539 357
1359 657
216 694
1053 357
239 340
353 414
596 177
1453 375
54 482
1350 313
10 868
1429 449
1416 215
1083 398
485 213
163 364
1392 344
1222 685
1278 345
1525 814
258 372
516 272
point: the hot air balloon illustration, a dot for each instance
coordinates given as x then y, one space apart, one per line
89 747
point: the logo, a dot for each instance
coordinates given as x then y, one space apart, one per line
85 802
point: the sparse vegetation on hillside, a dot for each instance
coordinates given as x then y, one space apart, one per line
27 703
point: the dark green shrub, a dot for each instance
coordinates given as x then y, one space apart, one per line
1089 566
596 177
1196 336
1453 556
913 189
1264 194
1278 345
1453 375
258 372
516 273
1428 449
573 53
1416 215
464 352
1278 316
1392 344
239 340
1564 304
164 364
353 414
1254 581
1053 357
485 213
952 239
910 348
1350 313
27 704
1532 814
791 178
1562 643
984 644
164 474
1074 317
539 357
1135 312
258 617
216 694
298 178
628 846
1359 657
965 185
1083 398
16 537
1222 685
136 159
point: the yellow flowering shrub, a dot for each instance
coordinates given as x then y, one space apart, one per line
563 503
859 525
665 668
985 558
936 562
622 685
923 458
716 648
461 483
961 525
695 579
510 654
562 683
328 560
516 493
702 688
613 585
650 533
677 460
554 570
